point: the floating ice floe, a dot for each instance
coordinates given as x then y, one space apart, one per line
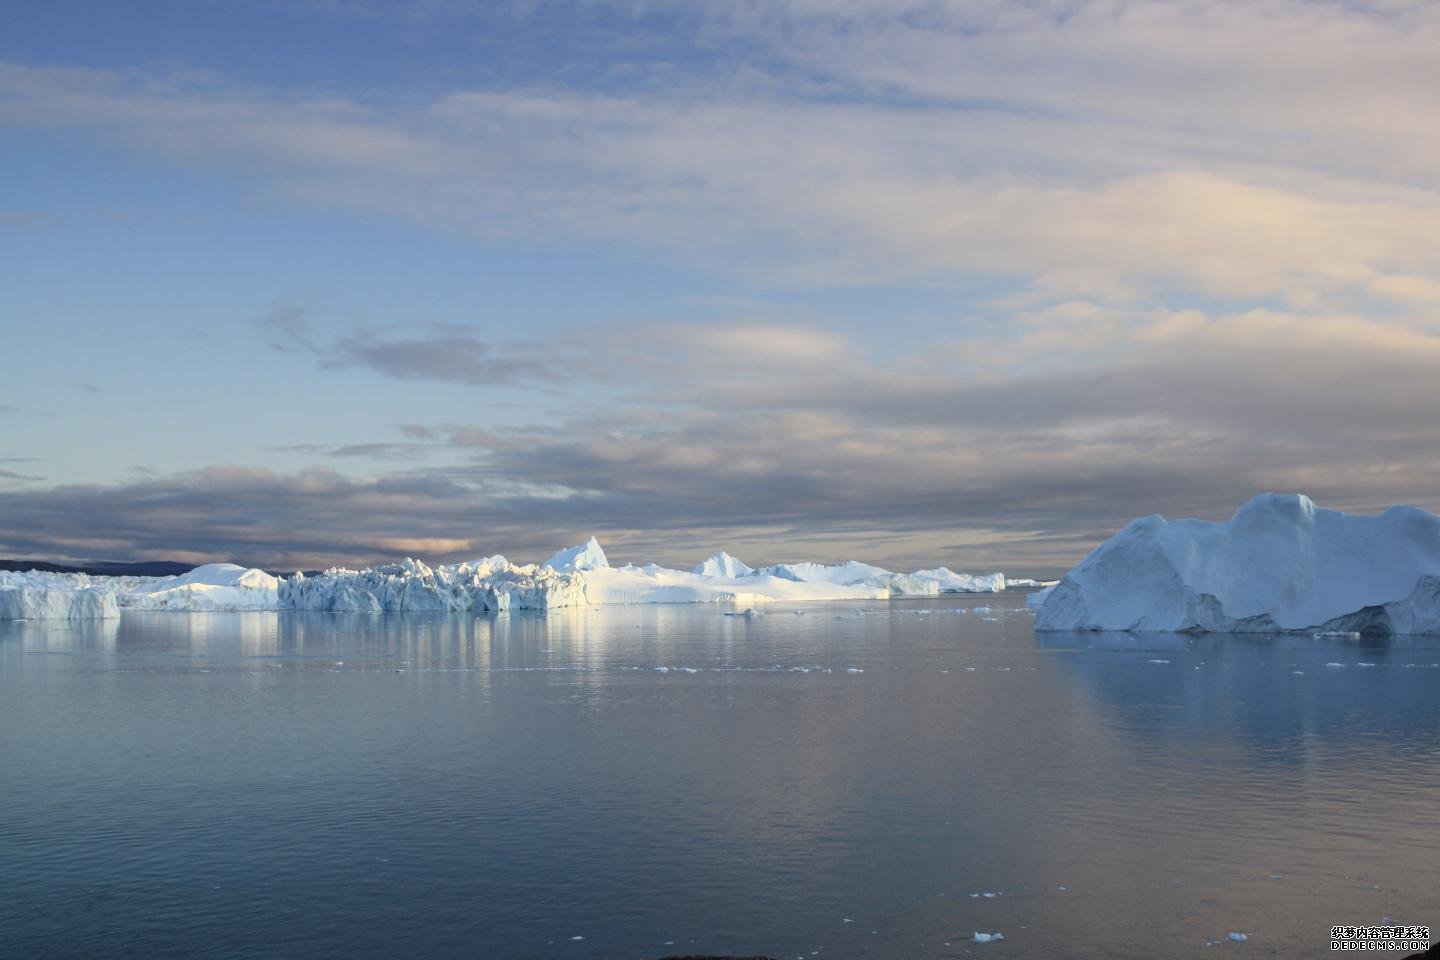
1281 564
987 937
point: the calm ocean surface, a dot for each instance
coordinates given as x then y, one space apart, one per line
310 785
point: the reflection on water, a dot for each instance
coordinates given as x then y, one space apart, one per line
667 779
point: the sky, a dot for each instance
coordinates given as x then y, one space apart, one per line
301 283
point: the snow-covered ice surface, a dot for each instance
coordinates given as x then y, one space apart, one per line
586 556
1281 564
214 586
723 565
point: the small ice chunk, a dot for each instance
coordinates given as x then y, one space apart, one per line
1157 661
662 669
987 937
1238 937
854 670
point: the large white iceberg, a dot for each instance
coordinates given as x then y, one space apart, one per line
213 586
492 583
1280 564
36 595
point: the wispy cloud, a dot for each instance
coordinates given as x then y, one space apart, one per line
445 352
1082 147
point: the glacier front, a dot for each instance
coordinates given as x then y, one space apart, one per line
1280 564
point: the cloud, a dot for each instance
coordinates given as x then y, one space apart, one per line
1213 150
374 451
451 354
1182 253
24 218
818 447
448 353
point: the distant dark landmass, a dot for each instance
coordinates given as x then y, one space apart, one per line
116 568
143 568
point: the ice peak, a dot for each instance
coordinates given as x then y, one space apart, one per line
724 565
587 556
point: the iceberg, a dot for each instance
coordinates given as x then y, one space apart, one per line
724 565
921 583
1280 564
655 584
571 577
489 584
213 586
587 556
952 582
850 572
35 595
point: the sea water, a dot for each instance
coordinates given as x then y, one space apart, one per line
849 780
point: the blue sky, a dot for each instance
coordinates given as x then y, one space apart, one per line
966 282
